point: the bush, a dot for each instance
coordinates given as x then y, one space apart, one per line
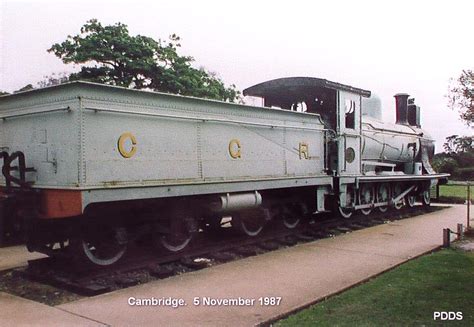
465 174
445 165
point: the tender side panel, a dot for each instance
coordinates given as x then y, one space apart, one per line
166 149
188 143
231 151
304 152
49 138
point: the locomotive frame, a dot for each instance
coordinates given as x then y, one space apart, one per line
97 165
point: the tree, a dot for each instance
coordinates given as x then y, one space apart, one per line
54 79
3 93
25 88
461 96
458 158
458 144
110 55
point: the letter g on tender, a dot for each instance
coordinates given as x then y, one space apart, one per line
121 145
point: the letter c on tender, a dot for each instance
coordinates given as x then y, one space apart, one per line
121 145
235 149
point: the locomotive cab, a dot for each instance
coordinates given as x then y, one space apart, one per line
339 107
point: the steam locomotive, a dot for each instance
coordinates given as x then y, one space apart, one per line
88 168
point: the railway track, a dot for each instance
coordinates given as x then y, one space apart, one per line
143 264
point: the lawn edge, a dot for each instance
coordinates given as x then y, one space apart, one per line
270 321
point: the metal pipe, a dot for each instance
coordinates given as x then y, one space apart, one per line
468 204
203 119
22 114
234 202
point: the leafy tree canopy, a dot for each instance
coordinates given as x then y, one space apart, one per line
54 79
458 144
109 54
458 158
461 96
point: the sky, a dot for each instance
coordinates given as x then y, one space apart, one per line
386 47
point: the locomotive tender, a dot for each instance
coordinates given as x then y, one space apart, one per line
87 167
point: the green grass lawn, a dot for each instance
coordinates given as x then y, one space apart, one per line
405 296
459 191
450 193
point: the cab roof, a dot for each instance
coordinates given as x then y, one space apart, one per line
296 85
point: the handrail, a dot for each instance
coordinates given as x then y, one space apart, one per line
204 119
21 114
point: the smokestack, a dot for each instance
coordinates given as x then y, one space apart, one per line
413 113
401 107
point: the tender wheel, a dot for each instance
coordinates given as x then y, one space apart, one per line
426 198
248 222
366 196
179 234
291 216
175 243
410 200
397 190
383 195
100 248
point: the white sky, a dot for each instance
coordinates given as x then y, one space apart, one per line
383 46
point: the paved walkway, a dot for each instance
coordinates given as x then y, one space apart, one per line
16 311
16 256
299 275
